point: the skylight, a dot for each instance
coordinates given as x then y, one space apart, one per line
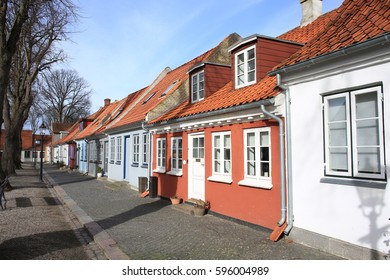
168 89
149 97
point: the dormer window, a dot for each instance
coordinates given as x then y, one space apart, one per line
197 82
245 72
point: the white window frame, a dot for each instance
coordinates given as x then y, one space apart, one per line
145 149
198 81
118 149
352 145
161 154
176 150
112 149
136 147
221 176
246 68
257 180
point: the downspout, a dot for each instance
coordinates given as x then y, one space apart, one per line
282 163
150 154
286 92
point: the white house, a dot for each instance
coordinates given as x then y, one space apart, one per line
338 134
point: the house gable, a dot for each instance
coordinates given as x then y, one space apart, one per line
266 53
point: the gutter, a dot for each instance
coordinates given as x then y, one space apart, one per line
251 105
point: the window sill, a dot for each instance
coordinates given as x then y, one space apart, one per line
175 172
134 165
159 170
118 163
355 182
221 179
256 183
144 165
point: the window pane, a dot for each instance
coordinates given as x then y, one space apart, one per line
251 54
227 166
195 142
265 169
217 154
227 141
195 153
240 58
264 153
240 80
201 142
251 168
369 160
366 105
240 69
337 109
201 76
251 65
251 153
217 166
217 140
264 139
227 154
251 139
338 134
367 132
201 152
251 76
338 159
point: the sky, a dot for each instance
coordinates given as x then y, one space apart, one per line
120 46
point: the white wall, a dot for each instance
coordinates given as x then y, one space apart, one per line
116 171
335 210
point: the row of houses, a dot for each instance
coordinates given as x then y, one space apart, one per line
286 132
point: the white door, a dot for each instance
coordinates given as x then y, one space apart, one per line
196 171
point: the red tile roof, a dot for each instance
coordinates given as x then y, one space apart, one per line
356 21
57 127
148 102
308 32
228 96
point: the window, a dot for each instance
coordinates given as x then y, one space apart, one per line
145 150
197 91
168 89
136 149
257 158
177 154
149 97
118 149
112 149
353 130
27 154
222 163
161 154
245 67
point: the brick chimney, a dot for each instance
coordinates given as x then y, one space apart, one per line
107 102
311 10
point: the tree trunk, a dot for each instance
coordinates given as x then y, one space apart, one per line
12 140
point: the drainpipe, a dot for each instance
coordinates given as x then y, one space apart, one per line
286 92
282 177
150 153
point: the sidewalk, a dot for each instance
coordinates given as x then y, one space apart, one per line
36 226
127 226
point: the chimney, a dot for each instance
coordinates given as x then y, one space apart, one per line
107 102
311 10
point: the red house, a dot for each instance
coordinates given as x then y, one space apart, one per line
225 143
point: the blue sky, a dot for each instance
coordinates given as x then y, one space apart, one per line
122 45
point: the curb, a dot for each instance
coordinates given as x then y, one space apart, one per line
97 233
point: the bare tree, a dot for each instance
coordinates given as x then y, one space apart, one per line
65 96
13 15
47 23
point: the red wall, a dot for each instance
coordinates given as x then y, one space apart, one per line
254 205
